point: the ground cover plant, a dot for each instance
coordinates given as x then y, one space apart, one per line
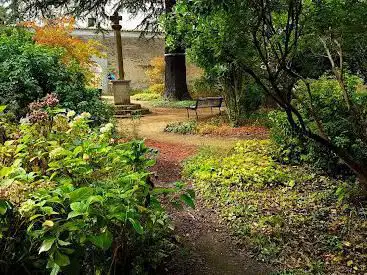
220 126
295 218
72 199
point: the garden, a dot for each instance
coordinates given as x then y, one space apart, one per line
274 182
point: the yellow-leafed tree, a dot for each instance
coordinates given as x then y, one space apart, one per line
58 33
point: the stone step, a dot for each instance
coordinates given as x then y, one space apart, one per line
129 113
128 107
122 112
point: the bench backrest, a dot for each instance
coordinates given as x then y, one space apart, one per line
209 102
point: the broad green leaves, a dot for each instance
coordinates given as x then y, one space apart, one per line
4 206
46 245
75 192
103 240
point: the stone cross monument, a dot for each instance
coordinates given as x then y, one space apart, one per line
120 87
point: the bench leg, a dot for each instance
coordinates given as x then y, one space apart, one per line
197 117
220 111
188 113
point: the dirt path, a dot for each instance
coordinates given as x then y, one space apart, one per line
152 127
205 246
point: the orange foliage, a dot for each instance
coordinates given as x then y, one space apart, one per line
58 33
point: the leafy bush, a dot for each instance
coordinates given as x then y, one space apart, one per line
30 71
203 87
336 124
182 127
57 33
290 148
74 200
156 89
297 220
156 70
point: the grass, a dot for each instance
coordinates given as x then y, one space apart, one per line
156 100
145 97
172 104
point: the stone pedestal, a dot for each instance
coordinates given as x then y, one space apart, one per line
121 92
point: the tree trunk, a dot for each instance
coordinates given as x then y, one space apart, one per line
2 135
175 77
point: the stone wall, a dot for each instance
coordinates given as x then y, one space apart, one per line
137 54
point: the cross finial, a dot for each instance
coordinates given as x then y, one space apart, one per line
116 18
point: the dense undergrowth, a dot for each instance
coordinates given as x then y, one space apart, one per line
75 201
297 219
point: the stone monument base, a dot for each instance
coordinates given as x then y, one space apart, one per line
123 106
121 91
127 111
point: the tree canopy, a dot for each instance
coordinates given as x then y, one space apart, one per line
282 45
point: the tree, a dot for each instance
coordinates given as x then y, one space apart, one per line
175 58
176 86
284 43
217 43
57 33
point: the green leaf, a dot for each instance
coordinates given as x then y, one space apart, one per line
78 150
63 243
94 199
158 191
55 270
46 245
35 217
74 214
188 200
191 192
61 259
103 241
2 108
3 207
81 194
48 223
79 208
137 226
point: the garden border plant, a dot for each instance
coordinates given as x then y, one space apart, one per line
73 199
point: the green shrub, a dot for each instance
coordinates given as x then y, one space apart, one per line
182 127
203 87
74 200
156 89
336 124
30 71
295 219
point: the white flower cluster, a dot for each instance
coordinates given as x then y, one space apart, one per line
84 115
71 114
24 121
107 128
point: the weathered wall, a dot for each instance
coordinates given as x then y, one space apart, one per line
137 54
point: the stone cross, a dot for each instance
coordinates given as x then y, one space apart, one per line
115 19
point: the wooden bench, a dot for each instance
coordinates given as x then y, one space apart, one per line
206 102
